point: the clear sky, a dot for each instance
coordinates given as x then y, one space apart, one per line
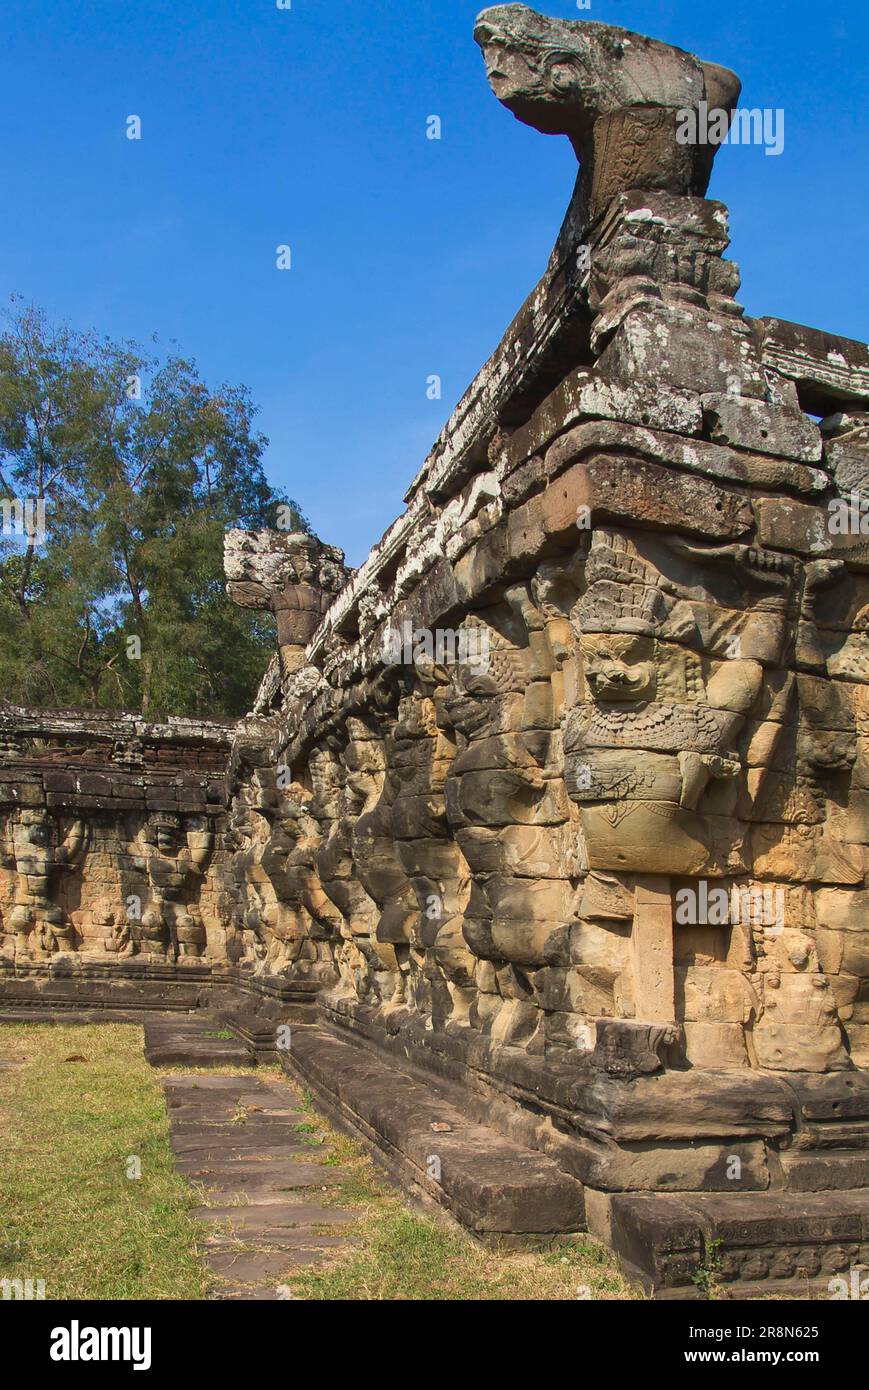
307 127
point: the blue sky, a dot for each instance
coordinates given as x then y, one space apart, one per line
306 127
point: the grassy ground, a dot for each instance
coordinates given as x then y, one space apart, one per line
72 1216
397 1253
70 1213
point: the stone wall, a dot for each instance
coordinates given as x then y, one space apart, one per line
108 835
567 785
620 806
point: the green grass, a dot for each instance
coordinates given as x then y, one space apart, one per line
397 1254
71 1215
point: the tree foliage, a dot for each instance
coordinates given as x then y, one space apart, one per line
141 469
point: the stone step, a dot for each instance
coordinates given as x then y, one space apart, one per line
245 1176
779 1243
266 1036
220 1096
72 1016
192 1041
493 1185
264 1218
827 1170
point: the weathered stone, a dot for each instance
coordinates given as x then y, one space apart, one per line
827 368
291 573
641 493
766 429
562 798
614 94
685 348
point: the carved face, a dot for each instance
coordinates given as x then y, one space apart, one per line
530 67
619 666
167 839
364 767
510 72
37 835
362 790
468 705
34 842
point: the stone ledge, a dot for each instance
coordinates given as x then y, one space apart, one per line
494 1186
171 1041
136 987
797 1242
669 1107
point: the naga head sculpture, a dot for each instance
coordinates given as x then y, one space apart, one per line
616 95
164 831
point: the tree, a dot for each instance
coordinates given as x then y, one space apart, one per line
140 469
